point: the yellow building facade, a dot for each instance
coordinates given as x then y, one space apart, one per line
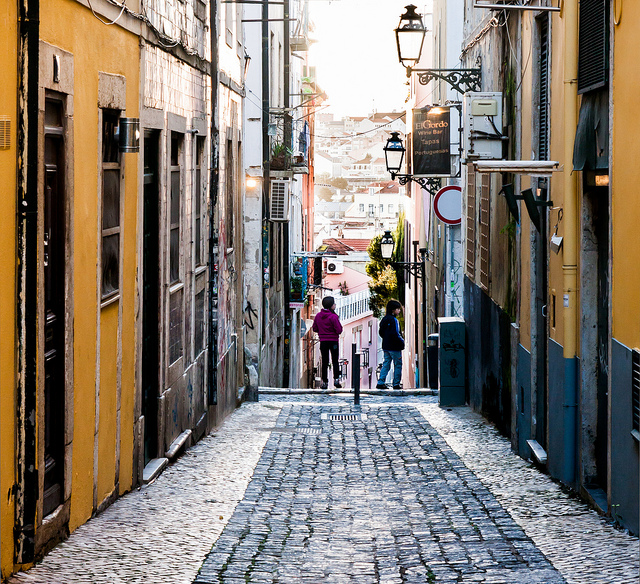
75 331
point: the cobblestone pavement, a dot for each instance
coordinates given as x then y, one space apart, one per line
160 533
383 499
423 527
582 545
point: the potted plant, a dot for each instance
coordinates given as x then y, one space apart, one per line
279 155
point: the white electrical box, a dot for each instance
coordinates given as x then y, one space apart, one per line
482 116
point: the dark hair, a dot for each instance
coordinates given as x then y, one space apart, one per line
328 302
392 305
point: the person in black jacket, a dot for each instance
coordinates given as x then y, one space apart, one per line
392 345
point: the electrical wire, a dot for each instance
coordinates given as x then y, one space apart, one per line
124 6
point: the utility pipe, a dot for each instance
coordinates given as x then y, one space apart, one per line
214 157
570 243
27 285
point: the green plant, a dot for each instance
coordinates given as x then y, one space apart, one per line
344 288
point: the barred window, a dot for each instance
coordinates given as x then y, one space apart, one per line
111 184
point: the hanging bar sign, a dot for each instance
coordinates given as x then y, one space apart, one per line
432 141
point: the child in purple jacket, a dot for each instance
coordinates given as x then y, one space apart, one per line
327 324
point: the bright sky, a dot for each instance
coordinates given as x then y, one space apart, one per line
356 57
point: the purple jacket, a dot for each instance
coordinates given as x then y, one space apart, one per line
327 325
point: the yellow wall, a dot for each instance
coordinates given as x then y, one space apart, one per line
8 107
625 213
108 49
556 152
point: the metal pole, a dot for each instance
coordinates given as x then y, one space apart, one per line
416 347
356 380
355 373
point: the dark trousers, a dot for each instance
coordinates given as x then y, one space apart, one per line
327 347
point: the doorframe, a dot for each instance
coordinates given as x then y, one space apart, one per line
53 528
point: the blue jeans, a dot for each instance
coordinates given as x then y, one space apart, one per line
396 357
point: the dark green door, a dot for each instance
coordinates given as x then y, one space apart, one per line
54 296
150 298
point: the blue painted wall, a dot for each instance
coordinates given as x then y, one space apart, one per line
523 401
624 447
555 411
489 357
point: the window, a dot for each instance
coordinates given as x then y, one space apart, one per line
391 208
471 222
543 117
199 203
371 211
593 45
111 180
635 391
230 189
361 207
230 9
175 208
175 220
199 323
485 202
381 209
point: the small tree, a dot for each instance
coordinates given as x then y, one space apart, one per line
386 283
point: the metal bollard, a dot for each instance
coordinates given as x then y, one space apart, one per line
356 381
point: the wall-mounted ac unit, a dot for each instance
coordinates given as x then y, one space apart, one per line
335 267
482 115
279 200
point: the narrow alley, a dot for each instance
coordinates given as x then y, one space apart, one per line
312 489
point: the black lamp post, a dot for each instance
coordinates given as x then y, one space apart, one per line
410 38
394 154
386 245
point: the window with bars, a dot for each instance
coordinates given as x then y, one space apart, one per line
175 326
175 207
543 72
635 390
593 45
111 184
199 206
230 189
471 223
199 323
484 232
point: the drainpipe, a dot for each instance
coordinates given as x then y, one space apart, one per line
212 377
27 285
570 243
285 226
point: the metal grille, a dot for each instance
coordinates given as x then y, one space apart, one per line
593 52
5 132
485 210
635 389
471 222
344 417
293 430
543 128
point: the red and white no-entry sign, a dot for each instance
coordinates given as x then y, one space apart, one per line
447 205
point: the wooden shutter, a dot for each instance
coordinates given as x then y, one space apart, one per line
543 128
471 223
635 390
593 45
485 213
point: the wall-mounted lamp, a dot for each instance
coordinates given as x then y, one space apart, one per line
251 183
556 240
129 135
386 245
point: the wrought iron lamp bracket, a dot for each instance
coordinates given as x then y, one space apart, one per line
462 80
428 183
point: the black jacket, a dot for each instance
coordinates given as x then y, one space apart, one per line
389 330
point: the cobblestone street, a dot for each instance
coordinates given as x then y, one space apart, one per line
285 493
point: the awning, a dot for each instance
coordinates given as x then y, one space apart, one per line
591 147
533 167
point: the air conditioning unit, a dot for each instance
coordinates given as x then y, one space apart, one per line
335 267
279 200
482 115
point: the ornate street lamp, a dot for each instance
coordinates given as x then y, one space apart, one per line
386 245
394 154
410 37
